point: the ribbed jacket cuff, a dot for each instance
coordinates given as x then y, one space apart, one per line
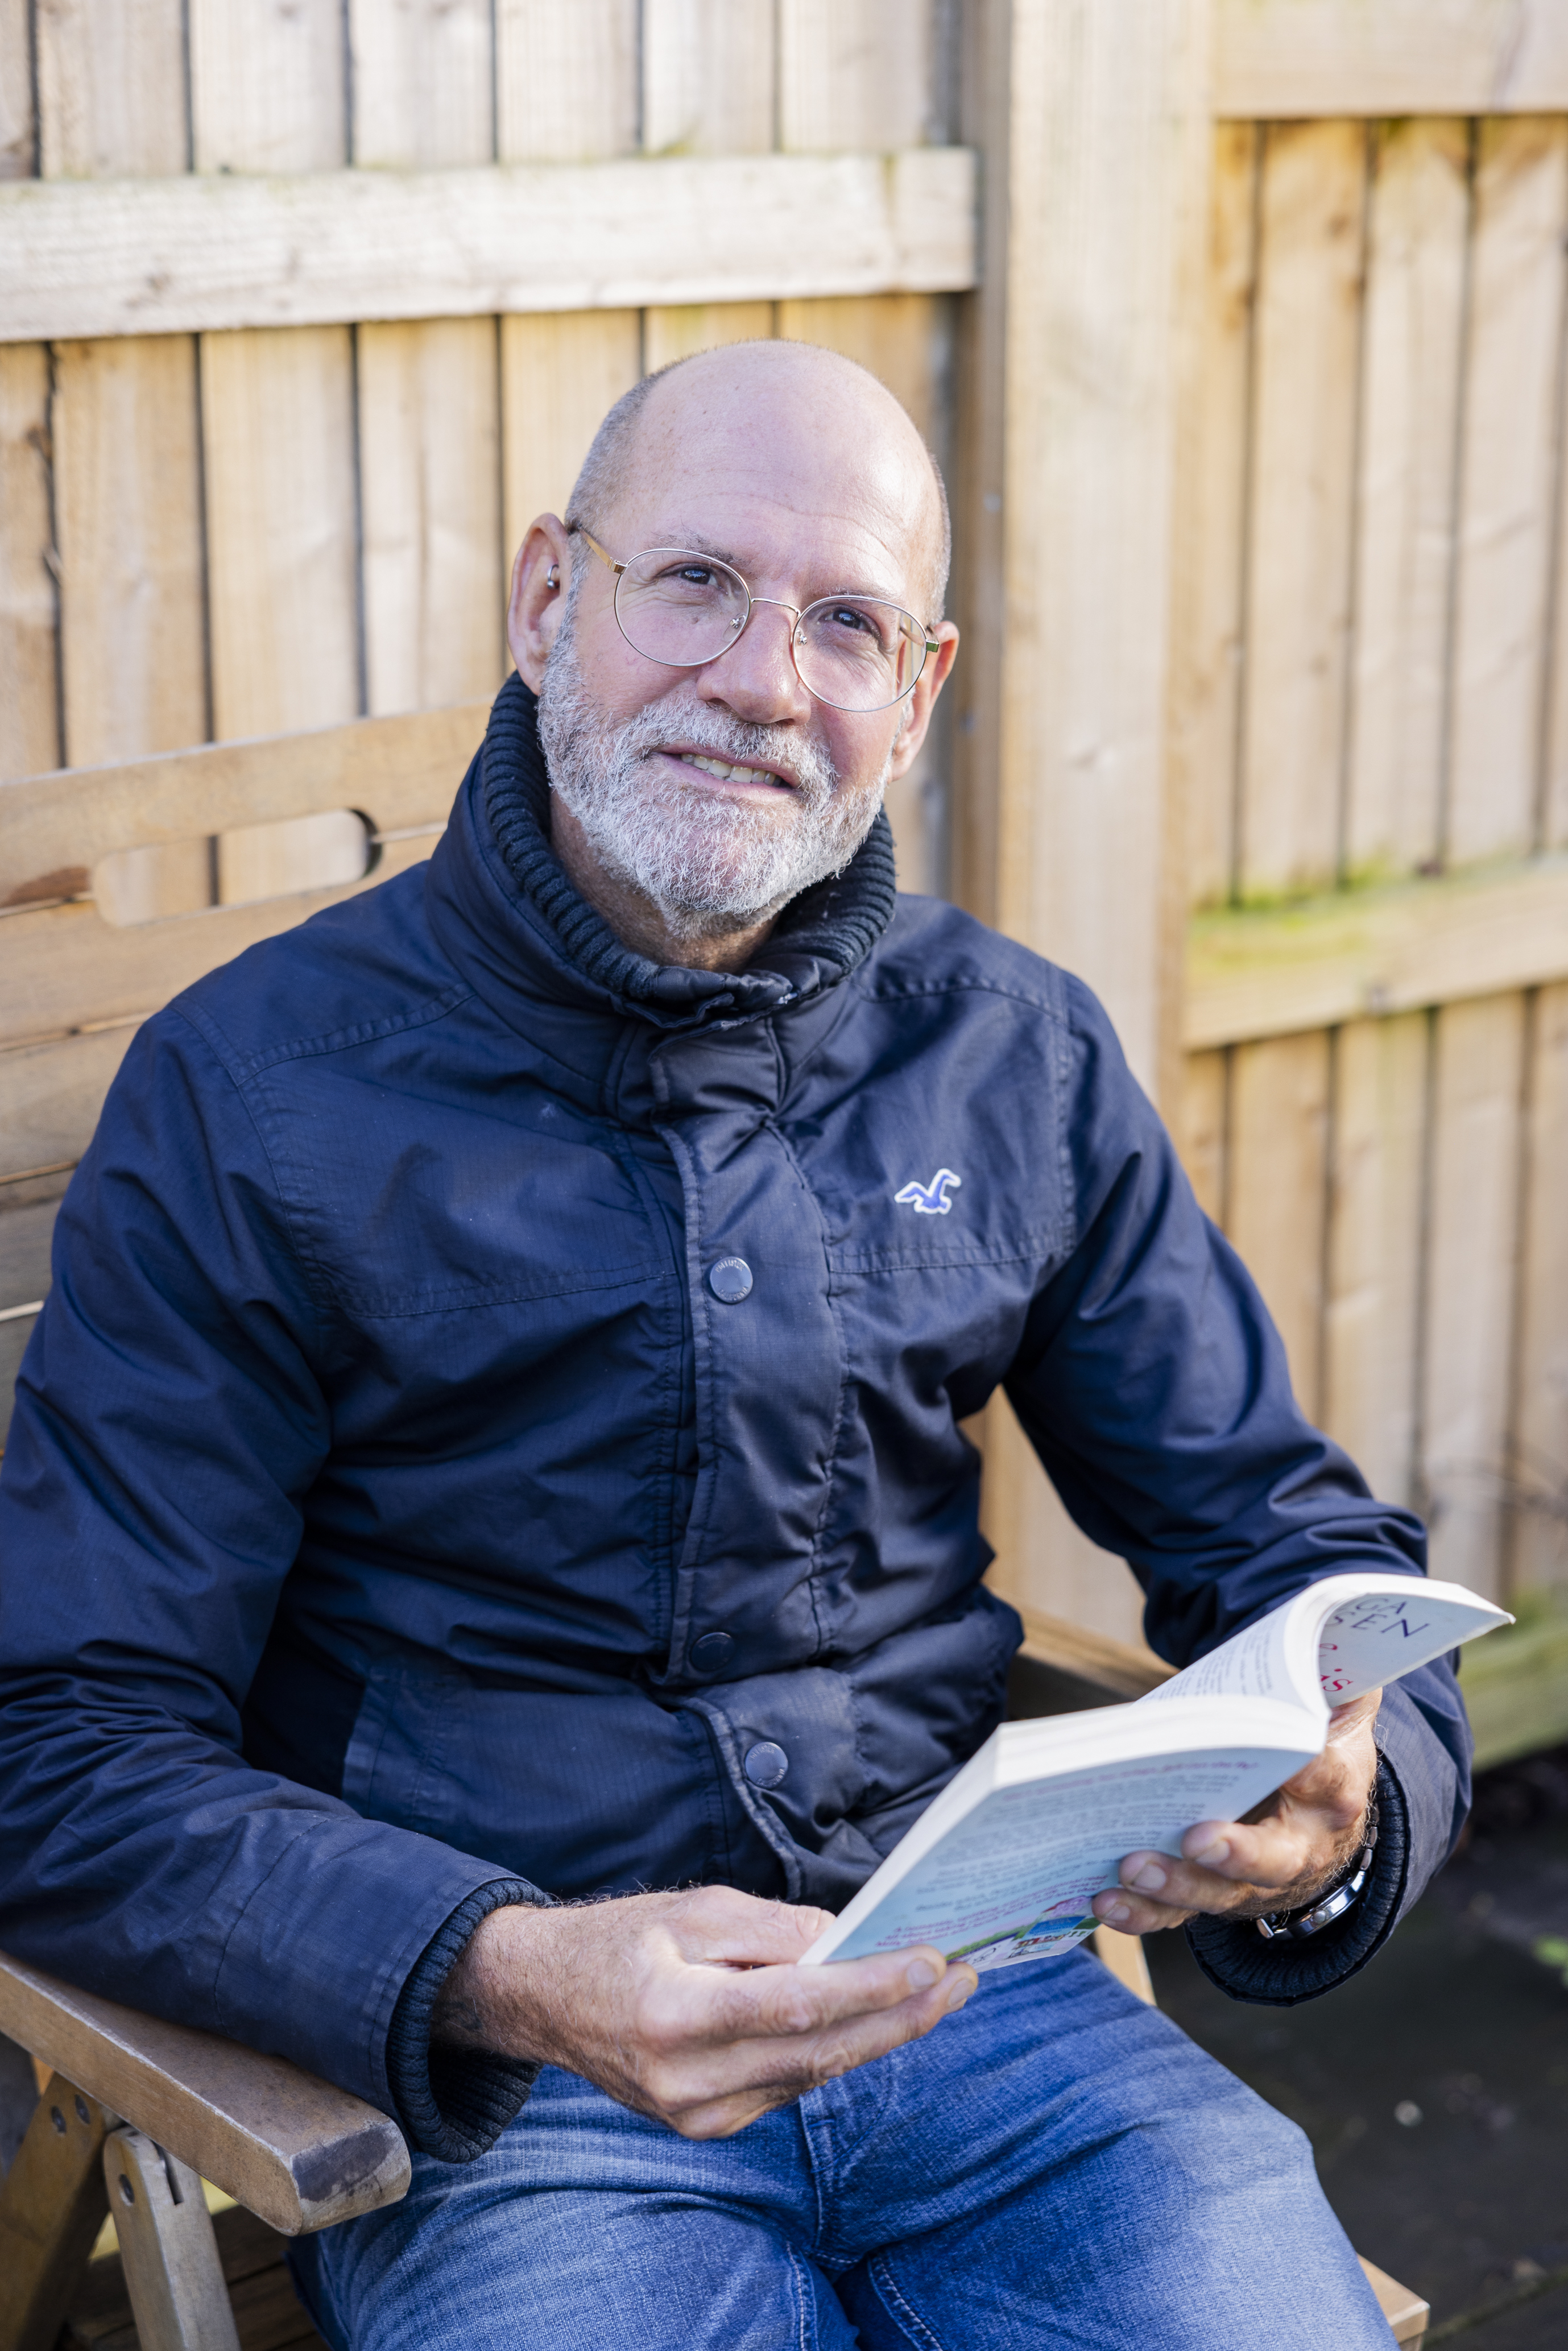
453 2104
1233 1954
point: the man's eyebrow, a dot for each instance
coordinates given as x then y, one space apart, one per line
700 544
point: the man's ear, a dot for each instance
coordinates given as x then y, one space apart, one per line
923 701
540 577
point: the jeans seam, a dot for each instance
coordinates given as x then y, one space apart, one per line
902 2311
806 2325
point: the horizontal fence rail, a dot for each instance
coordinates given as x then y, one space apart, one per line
208 251
1280 59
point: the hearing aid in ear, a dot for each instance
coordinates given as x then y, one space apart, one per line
552 577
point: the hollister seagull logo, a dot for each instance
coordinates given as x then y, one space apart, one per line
929 1199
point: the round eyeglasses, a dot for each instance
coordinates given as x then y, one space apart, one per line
684 610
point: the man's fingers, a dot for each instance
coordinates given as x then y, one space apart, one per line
789 2003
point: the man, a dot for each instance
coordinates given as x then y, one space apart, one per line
491 1561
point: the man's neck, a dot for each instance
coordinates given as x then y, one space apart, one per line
636 922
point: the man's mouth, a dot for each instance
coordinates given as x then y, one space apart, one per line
728 772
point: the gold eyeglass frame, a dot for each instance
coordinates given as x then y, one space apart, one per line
930 642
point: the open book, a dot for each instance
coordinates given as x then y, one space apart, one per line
1003 1865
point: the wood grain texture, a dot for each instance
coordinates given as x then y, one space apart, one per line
166 2244
566 79
675 334
422 80
558 376
112 87
432 566
50 2208
291 2149
1371 1313
1277 1174
1470 1286
1538 1441
69 958
1208 594
50 1096
1108 134
1509 461
18 124
1275 58
1198 1127
128 503
278 426
854 73
708 77
1300 563
266 85
1405 556
401 771
29 684
1268 971
227 251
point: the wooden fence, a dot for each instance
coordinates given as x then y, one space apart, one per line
1240 328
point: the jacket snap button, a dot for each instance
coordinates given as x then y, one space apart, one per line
730 1280
713 1652
766 1764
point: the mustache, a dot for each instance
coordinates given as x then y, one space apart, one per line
719 735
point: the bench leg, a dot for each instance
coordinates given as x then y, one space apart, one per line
51 2208
173 2273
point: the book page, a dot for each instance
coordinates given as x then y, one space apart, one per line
1013 1880
1372 1637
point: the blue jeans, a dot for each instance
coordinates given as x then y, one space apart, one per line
1056 2165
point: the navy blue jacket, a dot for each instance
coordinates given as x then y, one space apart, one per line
396 1521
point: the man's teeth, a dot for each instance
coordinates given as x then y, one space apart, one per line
725 775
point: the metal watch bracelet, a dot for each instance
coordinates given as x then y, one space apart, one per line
1341 1897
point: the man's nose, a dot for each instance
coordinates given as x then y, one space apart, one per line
756 677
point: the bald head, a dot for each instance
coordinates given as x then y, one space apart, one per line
792 419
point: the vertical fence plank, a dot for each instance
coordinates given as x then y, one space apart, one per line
1278 1176
567 86
279 425
558 375
1302 473
278 407
1413 353
1108 149
433 578
676 332
1539 1449
266 85
111 89
434 586
423 82
29 704
128 506
1198 1128
1372 1315
1042 1560
112 103
1471 1284
1508 479
18 139
1208 604
708 77
854 73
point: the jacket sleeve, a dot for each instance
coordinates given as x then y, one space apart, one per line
1155 1388
170 1417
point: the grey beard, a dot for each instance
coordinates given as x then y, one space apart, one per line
705 861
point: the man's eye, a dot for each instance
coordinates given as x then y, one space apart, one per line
846 616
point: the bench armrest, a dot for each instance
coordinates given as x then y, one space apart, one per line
291 2149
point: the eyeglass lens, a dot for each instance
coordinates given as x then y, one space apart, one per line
855 652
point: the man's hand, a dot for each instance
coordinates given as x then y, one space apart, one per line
689 2007
1286 1854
